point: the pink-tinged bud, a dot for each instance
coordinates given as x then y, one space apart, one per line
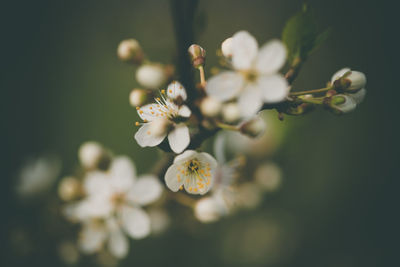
226 48
130 51
197 55
349 80
210 107
253 127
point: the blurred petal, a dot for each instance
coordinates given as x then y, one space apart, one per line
118 244
96 182
179 138
271 57
122 174
92 237
176 89
184 111
225 85
244 50
135 222
274 88
144 137
339 74
250 100
173 178
359 95
146 190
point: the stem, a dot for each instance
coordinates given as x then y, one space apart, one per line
294 70
227 126
202 77
311 91
312 101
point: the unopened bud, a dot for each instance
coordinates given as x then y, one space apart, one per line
359 95
159 126
130 50
151 76
206 210
349 80
69 188
138 97
230 112
210 107
341 104
226 48
268 176
92 155
253 127
197 55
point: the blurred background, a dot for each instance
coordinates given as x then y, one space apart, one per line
62 84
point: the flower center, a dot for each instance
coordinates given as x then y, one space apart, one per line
250 76
118 199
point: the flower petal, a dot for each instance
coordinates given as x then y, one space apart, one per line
274 88
185 156
144 137
173 178
122 174
225 85
250 100
179 138
271 57
146 190
244 50
176 89
92 237
118 244
184 111
149 112
96 182
359 96
135 222
339 74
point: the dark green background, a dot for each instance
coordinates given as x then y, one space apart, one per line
62 84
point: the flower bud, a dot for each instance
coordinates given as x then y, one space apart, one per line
268 176
69 188
197 55
230 112
92 155
130 50
253 127
349 80
206 210
151 76
210 107
341 104
226 48
138 97
159 126
359 95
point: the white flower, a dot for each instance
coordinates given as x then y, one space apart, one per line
151 76
193 170
37 175
162 119
255 79
115 198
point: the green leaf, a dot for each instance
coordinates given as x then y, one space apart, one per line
302 35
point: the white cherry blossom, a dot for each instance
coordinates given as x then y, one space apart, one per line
192 170
113 207
163 118
255 79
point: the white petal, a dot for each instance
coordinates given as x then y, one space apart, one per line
339 74
144 137
135 222
185 156
96 182
173 178
176 89
98 206
149 112
191 187
122 174
92 237
271 57
250 100
359 95
274 88
205 157
179 138
146 190
225 85
118 243
184 111
244 50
